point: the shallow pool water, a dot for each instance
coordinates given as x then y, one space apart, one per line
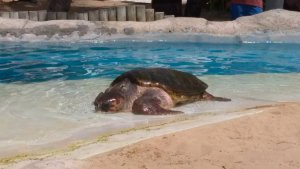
47 89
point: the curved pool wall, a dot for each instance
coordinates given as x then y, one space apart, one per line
51 112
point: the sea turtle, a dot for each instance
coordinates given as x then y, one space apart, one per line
152 91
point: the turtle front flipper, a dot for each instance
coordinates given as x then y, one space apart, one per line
207 96
150 106
152 103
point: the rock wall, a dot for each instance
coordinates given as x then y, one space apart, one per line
275 25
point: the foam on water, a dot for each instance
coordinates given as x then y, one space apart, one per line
39 115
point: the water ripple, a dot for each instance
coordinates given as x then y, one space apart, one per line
34 62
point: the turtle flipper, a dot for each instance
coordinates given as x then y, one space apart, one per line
207 96
150 105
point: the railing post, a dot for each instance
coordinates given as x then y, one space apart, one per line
149 14
83 16
159 15
4 14
33 15
103 14
141 13
51 16
121 13
112 14
14 15
131 13
72 16
94 15
61 15
42 15
23 15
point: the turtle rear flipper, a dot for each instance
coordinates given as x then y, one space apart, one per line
150 103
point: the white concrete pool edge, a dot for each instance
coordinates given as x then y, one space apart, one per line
278 26
72 159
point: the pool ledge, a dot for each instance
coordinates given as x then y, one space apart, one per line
102 144
75 156
271 26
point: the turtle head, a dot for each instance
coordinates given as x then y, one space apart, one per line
109 102
113 99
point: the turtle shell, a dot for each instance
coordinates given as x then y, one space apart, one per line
176 83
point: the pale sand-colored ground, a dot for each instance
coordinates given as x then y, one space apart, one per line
268 140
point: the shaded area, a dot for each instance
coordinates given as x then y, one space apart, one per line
293 5
57 5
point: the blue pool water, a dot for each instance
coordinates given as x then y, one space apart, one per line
34 62
58 109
